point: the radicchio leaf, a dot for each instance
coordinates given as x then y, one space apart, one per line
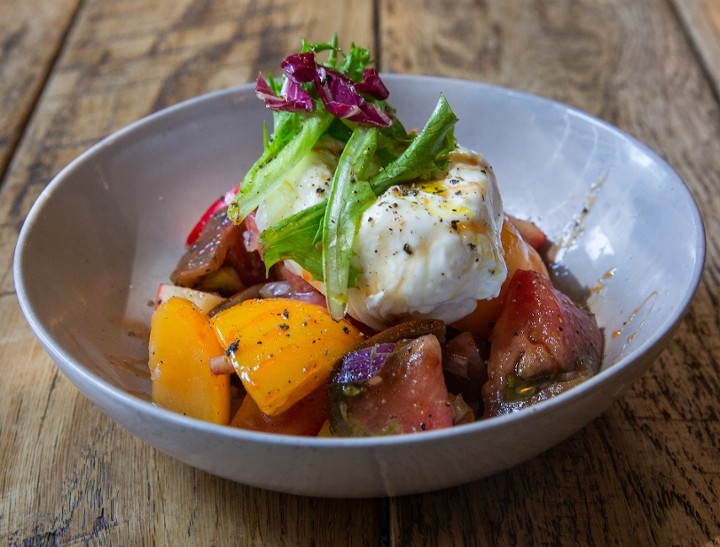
372 85
339 93
300 67
297 96
295 99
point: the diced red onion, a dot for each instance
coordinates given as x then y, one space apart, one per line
462 413
275 289
284 289
362 365
461 354
221 365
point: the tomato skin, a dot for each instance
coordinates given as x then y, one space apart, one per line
306 417
543 344
216 206
282 349
519 255
180 347
407 395
529 231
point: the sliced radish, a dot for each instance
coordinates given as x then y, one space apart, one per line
216 206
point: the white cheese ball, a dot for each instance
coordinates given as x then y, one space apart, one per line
424 250
307 184
430 250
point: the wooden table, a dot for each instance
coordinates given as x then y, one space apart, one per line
72 71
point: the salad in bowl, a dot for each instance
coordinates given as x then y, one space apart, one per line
363 278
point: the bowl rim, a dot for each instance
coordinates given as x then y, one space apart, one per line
77 372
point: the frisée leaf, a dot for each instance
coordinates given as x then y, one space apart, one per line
296 238
349 196
425 154
263 178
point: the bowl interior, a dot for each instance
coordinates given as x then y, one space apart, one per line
111 226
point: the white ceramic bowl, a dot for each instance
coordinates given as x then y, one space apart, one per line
110 227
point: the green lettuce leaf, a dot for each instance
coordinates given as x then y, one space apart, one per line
349 196
296 238
425 155
266 175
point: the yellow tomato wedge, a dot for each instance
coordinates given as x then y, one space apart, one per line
182 342
282 349
325 430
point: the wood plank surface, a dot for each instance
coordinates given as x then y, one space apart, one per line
628 478
30 41
647 472
701 20
70 475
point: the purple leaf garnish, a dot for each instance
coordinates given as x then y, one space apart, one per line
297 96
300 67
340 94
372 85
295 99
340 97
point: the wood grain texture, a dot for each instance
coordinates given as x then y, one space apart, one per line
651 477
70 475
701 19
31 35
647 472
